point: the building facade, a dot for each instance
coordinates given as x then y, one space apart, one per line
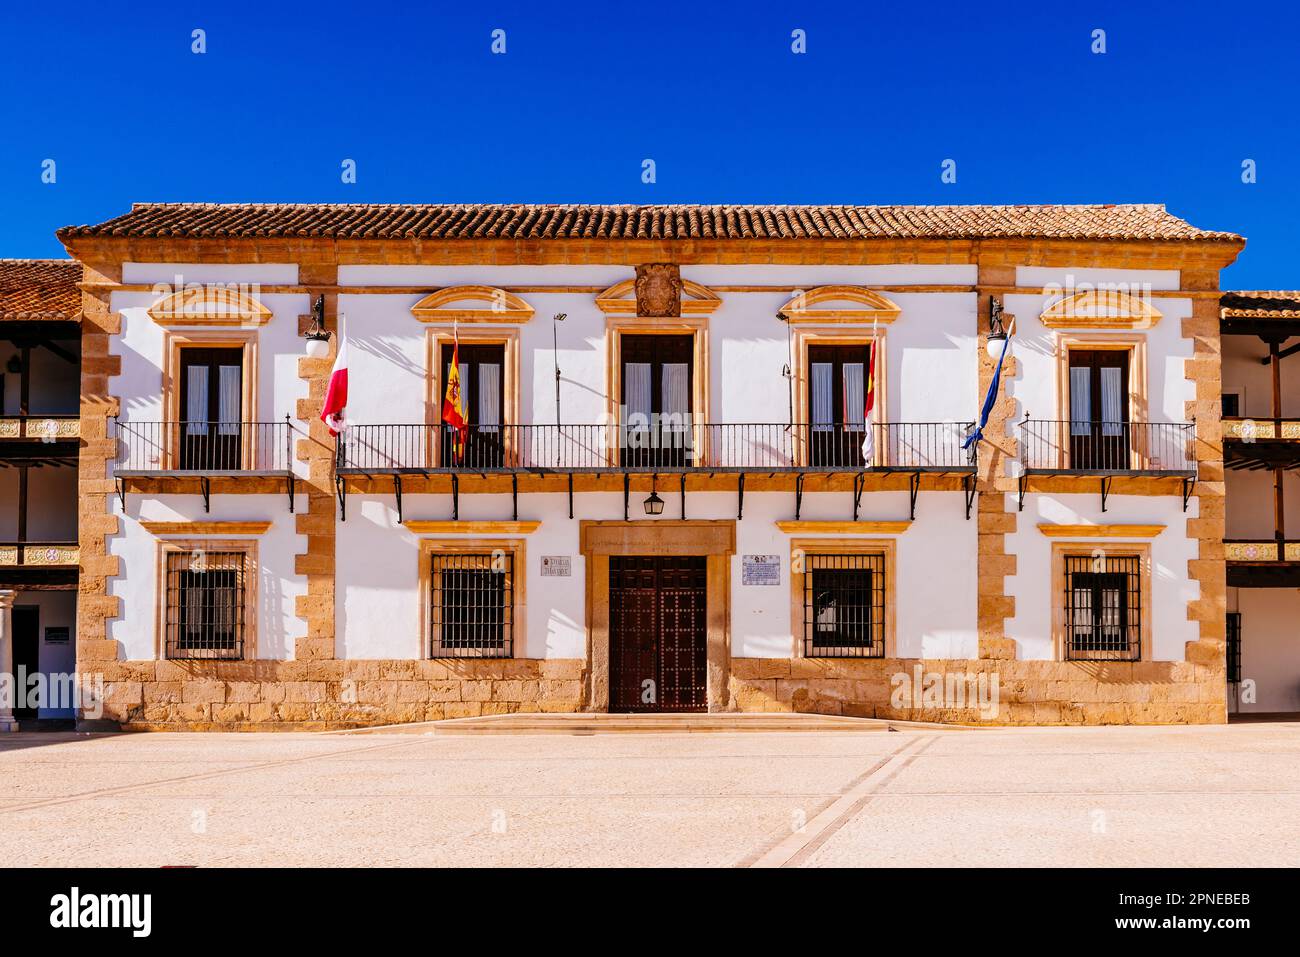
40 380
1261 435
668 495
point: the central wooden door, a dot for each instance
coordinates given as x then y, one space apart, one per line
658 648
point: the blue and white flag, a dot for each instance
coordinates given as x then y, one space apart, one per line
989 399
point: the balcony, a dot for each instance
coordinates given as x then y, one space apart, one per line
39 565
1264 443
1108 450
39 439
203 451
1262 563
671 448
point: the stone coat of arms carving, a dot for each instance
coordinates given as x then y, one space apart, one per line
658 290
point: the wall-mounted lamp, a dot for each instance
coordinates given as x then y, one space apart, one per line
654 505
997 340
317 336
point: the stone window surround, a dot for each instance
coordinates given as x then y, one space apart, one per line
248 546
475 546
1118 549
857 545
438 336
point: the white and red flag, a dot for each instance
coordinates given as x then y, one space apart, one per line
869 438
336 393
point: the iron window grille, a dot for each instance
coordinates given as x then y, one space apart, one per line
1103 601
206 610
1234 647
844 606
472 605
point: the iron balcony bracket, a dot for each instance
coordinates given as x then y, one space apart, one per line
914 486
798 495
205 484
627 491
514 496
1188 484
341 491
1022 484
740 497
859 483
289 483
455 497
121 492
570 495
968 484
1106 481
397 495
683 496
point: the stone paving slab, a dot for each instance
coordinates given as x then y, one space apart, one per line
1223 795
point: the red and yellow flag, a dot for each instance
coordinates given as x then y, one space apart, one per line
453 410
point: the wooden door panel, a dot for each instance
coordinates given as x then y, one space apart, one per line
658 634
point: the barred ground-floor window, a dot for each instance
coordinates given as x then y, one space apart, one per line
1104 601
472 597
843 591
208 606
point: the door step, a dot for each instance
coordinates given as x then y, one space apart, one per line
599 723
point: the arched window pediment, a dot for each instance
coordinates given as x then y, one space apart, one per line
209 306
472 304
1100 309
848 304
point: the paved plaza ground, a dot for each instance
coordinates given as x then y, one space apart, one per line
1112 797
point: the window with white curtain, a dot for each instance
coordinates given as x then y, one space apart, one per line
228 380
823 393
489 396
677 395
196 401
1080 400
1112 414
855 398
637 393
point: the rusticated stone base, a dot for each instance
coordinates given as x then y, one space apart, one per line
1028 692
315 695
337 694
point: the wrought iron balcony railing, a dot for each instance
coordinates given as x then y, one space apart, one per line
1086 447
669 447
203 448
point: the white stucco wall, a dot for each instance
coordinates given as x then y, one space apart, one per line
379 612
1035 590
932 376
1244 374
137 585
1270 647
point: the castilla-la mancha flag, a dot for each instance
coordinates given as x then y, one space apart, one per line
336 393
453 410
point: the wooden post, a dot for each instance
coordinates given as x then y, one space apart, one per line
1279 502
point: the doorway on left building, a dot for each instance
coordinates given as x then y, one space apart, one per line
27 655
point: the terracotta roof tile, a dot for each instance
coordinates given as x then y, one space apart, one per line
480 221
1261 304
38 289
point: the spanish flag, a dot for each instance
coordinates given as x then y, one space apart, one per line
453 410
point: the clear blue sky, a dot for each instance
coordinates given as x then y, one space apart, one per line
711 92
